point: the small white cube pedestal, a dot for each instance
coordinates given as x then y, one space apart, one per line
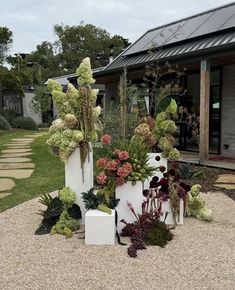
166 208
99 228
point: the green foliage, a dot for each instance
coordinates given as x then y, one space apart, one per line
24 123
103 207
90 199
5 42
76 42
75 212
9 115
4 125
93 201
61 215
50 215
78 116
45 199
54 208
41 101
65 225
158 235
67 196
112 126
196 205
187 171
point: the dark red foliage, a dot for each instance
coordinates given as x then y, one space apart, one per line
162 168
163 181
132 252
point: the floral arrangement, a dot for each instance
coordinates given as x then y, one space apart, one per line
147 229
75 126
158 133
196 205
170 188
62 214
128 163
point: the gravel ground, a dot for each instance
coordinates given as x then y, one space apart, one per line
201 256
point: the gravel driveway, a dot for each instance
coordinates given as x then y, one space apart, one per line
201 256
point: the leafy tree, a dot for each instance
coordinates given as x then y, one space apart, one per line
41 102
77 42
45 61
5 42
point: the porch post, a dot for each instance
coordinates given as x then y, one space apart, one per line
204 110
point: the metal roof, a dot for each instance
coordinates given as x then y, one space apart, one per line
183 49
208 31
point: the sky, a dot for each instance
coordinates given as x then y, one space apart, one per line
32 21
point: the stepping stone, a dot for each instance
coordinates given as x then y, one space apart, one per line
4 194
16 173
9 155
22 139
16 166
226 178
17 147
14 159
6 184
226 186
20 143
16 150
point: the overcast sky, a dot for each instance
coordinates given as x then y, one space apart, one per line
32 21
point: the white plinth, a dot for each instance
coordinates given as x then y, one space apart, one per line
74 179
166 207
153 162
132 194
99 228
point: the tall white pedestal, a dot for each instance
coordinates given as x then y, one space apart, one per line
74 177
153 162
132 194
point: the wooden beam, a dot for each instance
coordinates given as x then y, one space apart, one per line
204 110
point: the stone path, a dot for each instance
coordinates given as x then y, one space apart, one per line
226 181
14 164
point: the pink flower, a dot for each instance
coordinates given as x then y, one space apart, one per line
101 162
116 151
127 166
122 172
113 165
123 155
106 139
120 181
101 178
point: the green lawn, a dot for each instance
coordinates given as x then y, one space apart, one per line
48 174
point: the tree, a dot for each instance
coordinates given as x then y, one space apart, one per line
41 102
5 42
77 42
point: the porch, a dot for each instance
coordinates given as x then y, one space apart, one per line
212 161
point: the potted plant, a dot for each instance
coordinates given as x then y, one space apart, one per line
74 131
122 172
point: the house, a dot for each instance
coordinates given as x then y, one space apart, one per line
10 100
205 45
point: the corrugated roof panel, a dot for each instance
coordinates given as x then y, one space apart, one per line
180 49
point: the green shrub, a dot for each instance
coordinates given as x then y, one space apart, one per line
9 115
24 123
4 125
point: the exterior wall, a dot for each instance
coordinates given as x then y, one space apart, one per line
28 112
111 96
228 111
